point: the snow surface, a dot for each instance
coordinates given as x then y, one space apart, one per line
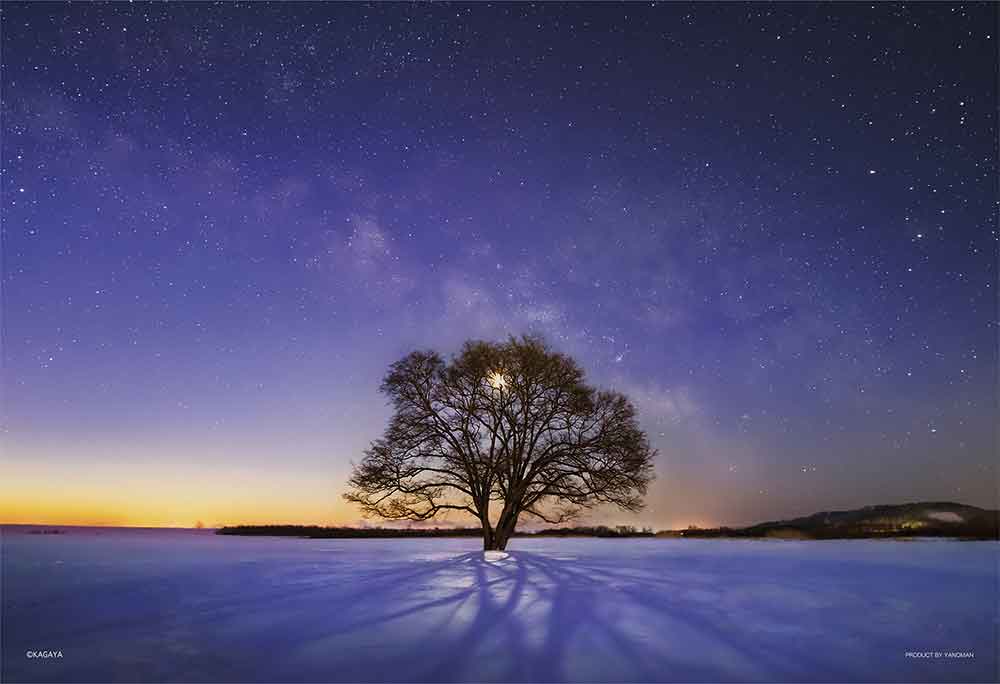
151 606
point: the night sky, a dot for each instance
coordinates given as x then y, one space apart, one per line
773 226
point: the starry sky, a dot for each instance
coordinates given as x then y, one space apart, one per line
773 226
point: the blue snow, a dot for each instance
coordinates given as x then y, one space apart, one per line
191 606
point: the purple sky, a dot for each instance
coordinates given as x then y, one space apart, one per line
773 226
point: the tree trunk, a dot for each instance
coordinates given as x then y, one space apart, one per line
489 538
504 530
495 540
499 542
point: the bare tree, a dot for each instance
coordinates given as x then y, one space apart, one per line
511 424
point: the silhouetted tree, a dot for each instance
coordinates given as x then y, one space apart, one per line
511 424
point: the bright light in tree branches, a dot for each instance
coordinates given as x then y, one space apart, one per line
497 380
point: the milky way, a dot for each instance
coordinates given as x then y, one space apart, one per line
774 227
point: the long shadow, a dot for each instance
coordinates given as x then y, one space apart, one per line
487 632
653 601
582 618
490 614
282 617
530 617
222 606
715 638
578 627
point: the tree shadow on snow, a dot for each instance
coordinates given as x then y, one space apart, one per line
529 617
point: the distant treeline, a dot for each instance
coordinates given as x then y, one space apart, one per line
926 519
599 531
317 532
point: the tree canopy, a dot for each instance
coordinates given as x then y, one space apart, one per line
510 425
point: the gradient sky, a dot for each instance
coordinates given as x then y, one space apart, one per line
773 226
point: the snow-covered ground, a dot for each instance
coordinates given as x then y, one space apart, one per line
151 606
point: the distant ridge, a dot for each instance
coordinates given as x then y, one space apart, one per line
922 519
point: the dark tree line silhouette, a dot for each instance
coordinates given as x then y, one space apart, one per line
319 532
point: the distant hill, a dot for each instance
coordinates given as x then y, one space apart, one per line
924 519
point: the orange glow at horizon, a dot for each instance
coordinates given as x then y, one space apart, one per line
170 484
173 497
147 495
